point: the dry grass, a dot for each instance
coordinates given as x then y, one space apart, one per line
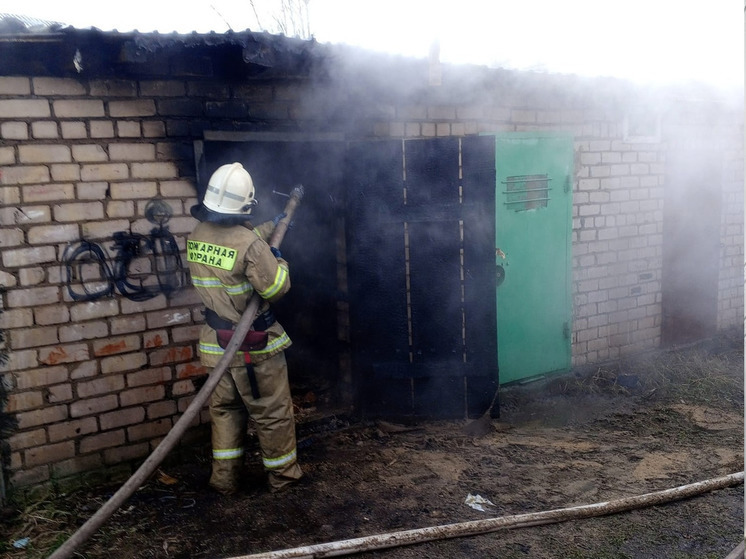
698 376
45 525
708 372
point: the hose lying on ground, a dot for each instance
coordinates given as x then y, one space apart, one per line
737 552
409 537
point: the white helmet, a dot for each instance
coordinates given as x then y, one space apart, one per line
230 190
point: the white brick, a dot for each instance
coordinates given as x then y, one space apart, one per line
127 324
134 190
116 88
19 360
24 108
153 129
28 256
7 156
11 238
44 130
44 154
89 153
30 297
48 234
165 170
15 86
104 172
94 309
102 129
57 86
85 331
92 190
7 280
79 108
48 192
62 172
24 175
178 189
73 130
103 229
131 152
14 130
51 314
9 195
127 362
32 276
78 212
120 209
140 107
33 337
16 318
128 129
85 369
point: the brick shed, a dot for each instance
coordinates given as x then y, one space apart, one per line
423 258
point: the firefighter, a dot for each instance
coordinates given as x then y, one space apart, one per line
229 260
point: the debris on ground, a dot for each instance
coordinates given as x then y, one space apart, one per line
564 442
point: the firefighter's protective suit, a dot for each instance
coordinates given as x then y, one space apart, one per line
228 262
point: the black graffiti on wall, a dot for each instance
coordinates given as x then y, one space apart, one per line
142 266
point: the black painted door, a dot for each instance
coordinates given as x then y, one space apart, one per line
421 276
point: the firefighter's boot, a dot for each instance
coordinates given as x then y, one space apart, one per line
225 476
284 479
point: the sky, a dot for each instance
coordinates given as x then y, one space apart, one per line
653 41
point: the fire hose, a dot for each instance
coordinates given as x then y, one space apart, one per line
476 527
180 427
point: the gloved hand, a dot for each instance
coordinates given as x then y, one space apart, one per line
278 217
276 252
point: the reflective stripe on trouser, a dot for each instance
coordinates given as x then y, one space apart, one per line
272 412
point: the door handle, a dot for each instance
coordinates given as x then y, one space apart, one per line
500 271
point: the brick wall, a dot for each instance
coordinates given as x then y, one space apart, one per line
731 274
91 383
617 248
95 384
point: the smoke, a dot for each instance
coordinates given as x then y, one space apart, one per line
646 42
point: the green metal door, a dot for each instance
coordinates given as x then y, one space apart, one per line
533 218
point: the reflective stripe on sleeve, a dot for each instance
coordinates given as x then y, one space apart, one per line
239 288
280 461
281 278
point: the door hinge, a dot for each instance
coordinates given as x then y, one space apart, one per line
566 330
567 183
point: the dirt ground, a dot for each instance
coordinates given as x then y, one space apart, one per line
652 423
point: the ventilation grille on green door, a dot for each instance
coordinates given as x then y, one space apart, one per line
526 192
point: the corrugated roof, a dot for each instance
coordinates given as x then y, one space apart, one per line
14 24
18 23
53 48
